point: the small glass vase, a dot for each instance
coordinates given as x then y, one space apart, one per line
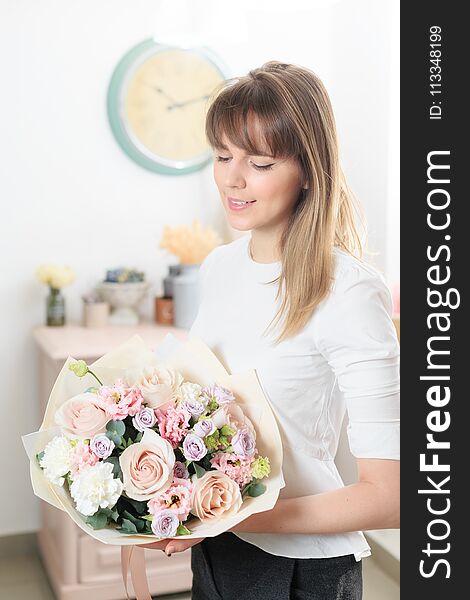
55 308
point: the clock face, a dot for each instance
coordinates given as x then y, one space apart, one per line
157 103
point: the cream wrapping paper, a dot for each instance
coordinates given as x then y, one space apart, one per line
197 363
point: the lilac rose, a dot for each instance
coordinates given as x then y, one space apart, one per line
194 447
243 442
144 418
165 523
194 407
204 427
221 394
180 471
102 446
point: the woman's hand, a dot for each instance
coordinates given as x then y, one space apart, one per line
172 545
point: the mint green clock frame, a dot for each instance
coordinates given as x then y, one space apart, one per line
130 60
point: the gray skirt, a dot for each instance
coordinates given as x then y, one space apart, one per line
228 568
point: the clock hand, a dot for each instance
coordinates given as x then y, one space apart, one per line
162 92
180 104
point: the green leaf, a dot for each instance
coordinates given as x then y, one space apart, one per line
140 506
148 518
139 523
116 427
200 472
139 436
128 527
182 530
39 457
116 466
114 437
110 513
256 489
98 521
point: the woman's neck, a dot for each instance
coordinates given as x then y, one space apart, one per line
264 247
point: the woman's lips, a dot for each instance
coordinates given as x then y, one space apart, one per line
236 205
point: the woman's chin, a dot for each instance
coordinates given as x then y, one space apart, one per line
239 225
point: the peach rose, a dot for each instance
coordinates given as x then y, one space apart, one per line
215 495
158 385
147 466
81 417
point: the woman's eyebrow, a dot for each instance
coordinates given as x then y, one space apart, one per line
259 153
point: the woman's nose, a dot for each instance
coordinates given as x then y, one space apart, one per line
234 176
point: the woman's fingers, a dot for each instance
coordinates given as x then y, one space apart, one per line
178 545
155 546
169 546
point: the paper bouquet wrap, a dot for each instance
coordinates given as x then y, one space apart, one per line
225 440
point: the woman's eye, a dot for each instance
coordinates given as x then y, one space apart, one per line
222 158
263 167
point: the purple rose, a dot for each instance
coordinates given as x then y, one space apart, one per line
244 443
194 447
204 427
165 523
221 394
102 446
194 407
180 470
144 418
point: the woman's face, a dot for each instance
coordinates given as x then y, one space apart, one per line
269 186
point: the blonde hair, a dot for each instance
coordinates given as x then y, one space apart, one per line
296 118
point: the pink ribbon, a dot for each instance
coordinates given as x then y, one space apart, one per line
133 560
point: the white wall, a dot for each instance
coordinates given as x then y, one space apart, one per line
70 195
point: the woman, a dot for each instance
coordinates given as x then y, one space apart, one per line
294 302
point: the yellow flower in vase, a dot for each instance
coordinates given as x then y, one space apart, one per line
56 277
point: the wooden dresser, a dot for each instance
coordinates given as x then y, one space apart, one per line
80 567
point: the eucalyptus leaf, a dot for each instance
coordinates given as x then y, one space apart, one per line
114 460
256 489
98 521
128 527
114 437
200 472
140 506
117 427
139 523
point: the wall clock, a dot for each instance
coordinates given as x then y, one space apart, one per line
157 103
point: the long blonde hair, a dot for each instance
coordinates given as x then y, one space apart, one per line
296 118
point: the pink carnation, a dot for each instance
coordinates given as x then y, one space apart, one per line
235 466
173 424
177 498
82 457
120 401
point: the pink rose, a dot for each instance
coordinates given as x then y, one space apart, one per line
147 466
82 417
215 495
158 385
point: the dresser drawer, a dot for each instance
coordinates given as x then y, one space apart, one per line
101 563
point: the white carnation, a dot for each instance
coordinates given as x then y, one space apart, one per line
96 488
56 460
189 392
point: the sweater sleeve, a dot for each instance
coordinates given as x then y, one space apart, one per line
354 331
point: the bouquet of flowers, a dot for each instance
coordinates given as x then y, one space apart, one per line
139 447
